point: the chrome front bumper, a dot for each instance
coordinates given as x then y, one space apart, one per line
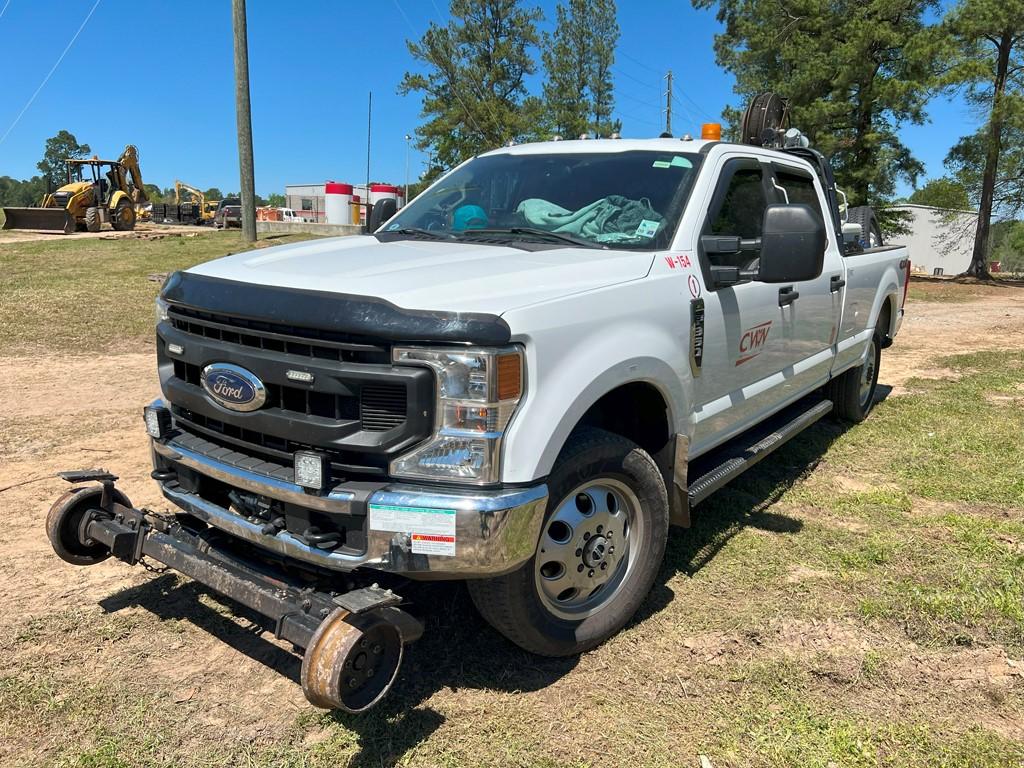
495 531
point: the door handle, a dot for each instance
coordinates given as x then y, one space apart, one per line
836 283
787 295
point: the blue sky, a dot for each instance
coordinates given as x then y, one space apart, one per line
159 75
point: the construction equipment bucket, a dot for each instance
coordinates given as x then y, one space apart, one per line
42 219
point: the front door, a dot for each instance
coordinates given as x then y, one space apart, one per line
748 354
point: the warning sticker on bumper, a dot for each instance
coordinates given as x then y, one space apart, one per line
432 530
432 544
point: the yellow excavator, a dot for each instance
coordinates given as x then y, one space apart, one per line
207 208
97 192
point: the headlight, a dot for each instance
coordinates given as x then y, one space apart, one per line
161 310
477 392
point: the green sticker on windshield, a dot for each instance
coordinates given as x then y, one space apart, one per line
662 164
647 228
681 162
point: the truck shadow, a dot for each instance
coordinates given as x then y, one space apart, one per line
747 502
458 650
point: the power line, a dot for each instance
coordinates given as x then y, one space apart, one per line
50 73
636 79
635 119
4 9
700 109
641 102
638 62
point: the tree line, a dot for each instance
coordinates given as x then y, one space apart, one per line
854 72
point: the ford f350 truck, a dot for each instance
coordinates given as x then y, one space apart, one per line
520 380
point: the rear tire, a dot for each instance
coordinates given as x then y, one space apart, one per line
605 493
92 219
870 231
123 218
853 391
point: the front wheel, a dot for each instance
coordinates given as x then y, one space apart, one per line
123 219
600 549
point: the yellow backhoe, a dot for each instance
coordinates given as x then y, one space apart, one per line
97 192
207 208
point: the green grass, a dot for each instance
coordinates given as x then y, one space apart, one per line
87 294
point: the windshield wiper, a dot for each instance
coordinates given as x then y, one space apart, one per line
428 233
533 232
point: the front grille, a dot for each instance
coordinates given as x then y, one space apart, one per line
379 407
269 447
359 408
292 340
382 407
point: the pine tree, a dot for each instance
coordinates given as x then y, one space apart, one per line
604 37
988 61
853 70
579 94
566 60
474 88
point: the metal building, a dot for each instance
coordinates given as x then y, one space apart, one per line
940 241
309 200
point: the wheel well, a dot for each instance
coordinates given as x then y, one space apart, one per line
637 411
884 324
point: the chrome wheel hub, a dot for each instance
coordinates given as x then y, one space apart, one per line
584 554
867 376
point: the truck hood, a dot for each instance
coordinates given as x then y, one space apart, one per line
457 277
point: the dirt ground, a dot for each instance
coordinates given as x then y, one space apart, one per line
71 412
142 231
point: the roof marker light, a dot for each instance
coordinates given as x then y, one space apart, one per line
711 131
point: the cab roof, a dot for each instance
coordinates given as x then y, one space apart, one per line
601 145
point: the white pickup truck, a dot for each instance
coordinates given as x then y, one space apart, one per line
519 380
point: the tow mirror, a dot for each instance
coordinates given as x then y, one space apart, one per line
381 212
792 244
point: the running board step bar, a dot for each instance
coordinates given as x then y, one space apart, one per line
741 458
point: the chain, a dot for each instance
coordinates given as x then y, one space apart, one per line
153 568
170 520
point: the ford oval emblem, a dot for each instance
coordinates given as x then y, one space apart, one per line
233 387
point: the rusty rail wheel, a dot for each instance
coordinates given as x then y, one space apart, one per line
351 662
67 520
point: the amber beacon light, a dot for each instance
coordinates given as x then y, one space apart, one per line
711 131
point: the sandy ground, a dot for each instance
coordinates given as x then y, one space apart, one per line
83 411
142 230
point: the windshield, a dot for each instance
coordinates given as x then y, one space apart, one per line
627 199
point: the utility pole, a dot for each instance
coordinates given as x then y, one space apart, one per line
369 123
243 117
406 198
668 103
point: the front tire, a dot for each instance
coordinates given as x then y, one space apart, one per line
600 549
92 219
123 219
853 391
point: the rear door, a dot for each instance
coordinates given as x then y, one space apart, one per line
747 350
